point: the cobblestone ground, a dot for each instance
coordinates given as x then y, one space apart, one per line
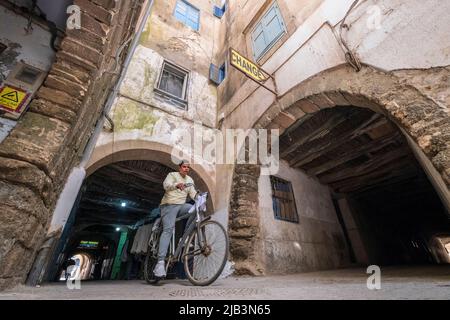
396 283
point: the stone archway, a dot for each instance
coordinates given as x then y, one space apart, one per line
153 151
421 115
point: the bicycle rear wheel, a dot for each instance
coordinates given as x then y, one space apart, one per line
203 265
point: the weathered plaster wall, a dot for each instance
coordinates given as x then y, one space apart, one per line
140 114
316 242
313 47
34 48
142 77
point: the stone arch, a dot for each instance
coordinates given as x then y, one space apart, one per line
148 150
423 120
419 116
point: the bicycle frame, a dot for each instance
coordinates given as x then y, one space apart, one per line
175 254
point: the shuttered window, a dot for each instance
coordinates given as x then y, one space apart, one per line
187 14
267 31
283 201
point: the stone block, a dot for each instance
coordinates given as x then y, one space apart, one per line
307 106
36 139
17 202
322 101
90 39
59 97
73 89
24 173
97 11
75 47
94 26
53 110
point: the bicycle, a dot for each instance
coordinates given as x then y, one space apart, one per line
203 248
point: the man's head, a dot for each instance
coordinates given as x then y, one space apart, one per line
184 168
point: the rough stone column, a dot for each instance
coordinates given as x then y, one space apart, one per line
37 156
244 222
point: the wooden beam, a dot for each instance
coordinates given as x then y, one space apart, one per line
374 177
333 141
343 158
335 120
364 168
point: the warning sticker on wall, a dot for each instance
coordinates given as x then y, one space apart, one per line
12 99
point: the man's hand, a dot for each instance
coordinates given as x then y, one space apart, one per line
181 186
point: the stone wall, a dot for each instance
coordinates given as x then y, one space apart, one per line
316 242
47 142
244 221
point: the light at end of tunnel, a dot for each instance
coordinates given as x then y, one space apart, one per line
117 229
123 204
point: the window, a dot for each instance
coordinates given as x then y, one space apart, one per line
267 31
219 12
172 84
283 201
187 14
217 74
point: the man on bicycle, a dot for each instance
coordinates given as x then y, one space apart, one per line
173 205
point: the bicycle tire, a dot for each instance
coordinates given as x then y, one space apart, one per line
149 265
191 241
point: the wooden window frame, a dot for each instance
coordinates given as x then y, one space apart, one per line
291 216
179 102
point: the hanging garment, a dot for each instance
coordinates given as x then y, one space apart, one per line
140 243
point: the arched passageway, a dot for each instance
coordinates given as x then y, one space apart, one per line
364 157
112 217
379 189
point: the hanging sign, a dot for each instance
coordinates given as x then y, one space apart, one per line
250 69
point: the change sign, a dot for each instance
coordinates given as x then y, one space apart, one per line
12 99
250 69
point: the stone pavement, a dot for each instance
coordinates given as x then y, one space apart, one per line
396 283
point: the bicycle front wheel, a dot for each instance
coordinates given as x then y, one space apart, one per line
149 265
205 258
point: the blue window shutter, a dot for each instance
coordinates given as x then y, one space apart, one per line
214 74
222 73
259 40
218 12
187 14
268 30
273 25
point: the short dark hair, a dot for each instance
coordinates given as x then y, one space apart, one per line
183 162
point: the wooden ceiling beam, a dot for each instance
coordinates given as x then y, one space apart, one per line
399 168
340 159
366 167
335 120
333 141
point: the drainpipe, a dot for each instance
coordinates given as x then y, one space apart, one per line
75 180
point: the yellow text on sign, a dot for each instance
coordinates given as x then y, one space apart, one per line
12 98
246 66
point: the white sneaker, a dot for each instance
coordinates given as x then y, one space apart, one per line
160 270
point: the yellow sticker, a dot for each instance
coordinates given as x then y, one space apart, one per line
12 98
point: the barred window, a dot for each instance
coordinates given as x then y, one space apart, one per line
283 201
